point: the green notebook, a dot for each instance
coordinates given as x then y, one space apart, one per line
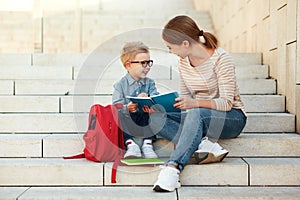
142 161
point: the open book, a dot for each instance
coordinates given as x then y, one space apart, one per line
142 161
163 101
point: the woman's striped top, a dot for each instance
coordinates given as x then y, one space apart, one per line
214 79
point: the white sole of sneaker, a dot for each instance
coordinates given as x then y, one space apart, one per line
207 157
157 188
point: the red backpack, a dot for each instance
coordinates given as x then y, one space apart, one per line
104 140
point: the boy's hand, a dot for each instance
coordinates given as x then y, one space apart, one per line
132 107
148 110
143 95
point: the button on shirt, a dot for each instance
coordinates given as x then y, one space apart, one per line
127 86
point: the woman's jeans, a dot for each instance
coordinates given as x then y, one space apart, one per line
135 125
186 129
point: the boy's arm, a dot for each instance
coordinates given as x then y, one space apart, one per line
152 88
118 96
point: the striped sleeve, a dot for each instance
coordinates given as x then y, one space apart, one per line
225 71
183 89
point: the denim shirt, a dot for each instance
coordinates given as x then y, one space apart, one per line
127 86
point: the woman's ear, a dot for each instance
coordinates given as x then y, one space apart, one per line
186 43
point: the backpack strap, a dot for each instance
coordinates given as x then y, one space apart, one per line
75 156
114 169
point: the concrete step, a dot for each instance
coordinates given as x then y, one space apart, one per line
6 87
116 193
158 71
29 104
105 87
143 6
163 69
59 145
80 172
28 171
70 123
67 104
42 73
268 103
10 59
76 59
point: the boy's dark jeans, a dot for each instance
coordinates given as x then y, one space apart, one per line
136 125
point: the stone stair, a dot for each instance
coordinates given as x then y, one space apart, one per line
44 104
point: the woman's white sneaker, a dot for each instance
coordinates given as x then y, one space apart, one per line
210 152
168 180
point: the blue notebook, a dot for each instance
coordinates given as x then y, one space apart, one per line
162 102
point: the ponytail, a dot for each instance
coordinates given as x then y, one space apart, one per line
210 41
182 28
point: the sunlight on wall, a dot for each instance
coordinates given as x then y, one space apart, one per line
16 5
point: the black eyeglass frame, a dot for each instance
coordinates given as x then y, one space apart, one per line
144 63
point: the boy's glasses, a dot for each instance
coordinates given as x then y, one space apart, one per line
144 63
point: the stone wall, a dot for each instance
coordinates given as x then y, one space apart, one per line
268 26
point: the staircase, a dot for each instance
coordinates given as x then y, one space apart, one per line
44 104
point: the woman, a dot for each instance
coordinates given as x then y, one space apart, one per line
209 99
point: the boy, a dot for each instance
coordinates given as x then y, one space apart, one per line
135 58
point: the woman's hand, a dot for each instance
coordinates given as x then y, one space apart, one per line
132 107
186 103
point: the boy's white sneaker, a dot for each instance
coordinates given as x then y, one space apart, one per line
168 180
148 151
133 151
210 152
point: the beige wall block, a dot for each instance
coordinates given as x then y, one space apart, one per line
298 108
298 43
274 63
291 65
264 9
277 4
281 22
16 32
60 37
281 69
291 34
272 43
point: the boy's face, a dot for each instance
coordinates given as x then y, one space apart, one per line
136 70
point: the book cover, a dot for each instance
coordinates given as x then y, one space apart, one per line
163 101
142 161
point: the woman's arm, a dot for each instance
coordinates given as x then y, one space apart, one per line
226 86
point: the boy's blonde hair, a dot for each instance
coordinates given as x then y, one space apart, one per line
131 49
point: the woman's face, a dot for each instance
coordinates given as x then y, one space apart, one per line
181 50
